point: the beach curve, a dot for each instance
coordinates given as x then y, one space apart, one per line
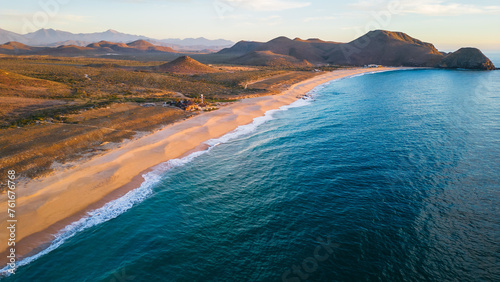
46 206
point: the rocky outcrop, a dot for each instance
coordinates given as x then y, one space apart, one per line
467 58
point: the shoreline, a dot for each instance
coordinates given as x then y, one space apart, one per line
52 203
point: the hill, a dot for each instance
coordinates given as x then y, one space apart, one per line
12 84
17 48
385 48
109 46
311 50
200 41
314 40
467 58
93 49
298 49
324 46
69 50
69 42
46 36
268 58
376 47
147 46
51 37
186 65
7 36
241 48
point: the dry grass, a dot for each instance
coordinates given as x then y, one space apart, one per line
8 105
13 108
282 81
124 82
12 84
237 68
32 150
58 110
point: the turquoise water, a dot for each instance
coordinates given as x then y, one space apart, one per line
389 177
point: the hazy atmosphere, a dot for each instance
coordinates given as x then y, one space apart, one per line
448 24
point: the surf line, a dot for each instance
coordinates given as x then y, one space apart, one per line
119 206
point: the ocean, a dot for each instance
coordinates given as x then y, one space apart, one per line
391 176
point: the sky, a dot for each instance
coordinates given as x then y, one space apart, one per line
448 24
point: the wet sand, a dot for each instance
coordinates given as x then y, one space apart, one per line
45 206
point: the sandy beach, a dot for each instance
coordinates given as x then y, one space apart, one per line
45 206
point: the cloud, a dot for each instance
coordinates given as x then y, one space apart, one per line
430 7
312 19
267 21
441 8
368 5
57 18
267 5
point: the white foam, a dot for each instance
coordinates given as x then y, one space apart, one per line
110 210
119 206
248 128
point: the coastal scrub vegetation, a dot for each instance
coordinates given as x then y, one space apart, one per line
60 109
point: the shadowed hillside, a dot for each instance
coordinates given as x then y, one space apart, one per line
146 46
467 58
385 48
16 48
241 48
268 58
376 47
298 49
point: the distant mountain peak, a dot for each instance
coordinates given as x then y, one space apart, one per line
281 38
394 35
385 37
52 37
312 40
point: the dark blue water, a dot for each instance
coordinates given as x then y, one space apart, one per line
384 177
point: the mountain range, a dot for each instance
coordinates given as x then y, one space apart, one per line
94 49
380 47
53 38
